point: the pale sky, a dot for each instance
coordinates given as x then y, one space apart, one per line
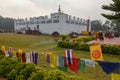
35 8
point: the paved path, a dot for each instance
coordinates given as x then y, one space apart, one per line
114 41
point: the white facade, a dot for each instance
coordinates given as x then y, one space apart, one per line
57 22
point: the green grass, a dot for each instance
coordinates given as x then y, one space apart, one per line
45 43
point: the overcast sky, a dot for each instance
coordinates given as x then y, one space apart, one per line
32 8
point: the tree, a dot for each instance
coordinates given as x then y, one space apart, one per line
96 25
114 15
6 24
115 10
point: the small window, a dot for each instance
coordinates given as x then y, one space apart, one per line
32 22
37 22
28 28
67 21
16 24
56 21
49 21
37 27
42 22
72 22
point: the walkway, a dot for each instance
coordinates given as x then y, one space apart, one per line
114 41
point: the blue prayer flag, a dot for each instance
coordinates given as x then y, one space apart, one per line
108 67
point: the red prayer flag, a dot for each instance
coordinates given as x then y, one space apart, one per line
68 54
74 66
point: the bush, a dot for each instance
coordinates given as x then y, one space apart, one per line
83 39
13 70
89 38
106 49
63 37
110 49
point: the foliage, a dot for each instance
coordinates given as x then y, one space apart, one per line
106 49
114 8
63 37
6 24
110 49
96 25
13 70
83 39
35 43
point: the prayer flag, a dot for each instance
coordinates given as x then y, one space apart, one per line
36 58
81 65
74 66
17 54
117 70
63 68
19 59
60 64
10 51
27 57
115 76
48 58
23 57
96 52
20 53
32 56
60 61
3 50
88 62
68 56
108 67
52 60
6 54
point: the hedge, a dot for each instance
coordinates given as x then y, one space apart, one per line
106 49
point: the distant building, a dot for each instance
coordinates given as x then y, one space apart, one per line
57 22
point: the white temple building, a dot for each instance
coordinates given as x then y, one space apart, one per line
57 22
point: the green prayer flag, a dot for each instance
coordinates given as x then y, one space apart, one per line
63 69
81 65
19 59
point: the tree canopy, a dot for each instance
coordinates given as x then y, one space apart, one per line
115 10
6 24
96 25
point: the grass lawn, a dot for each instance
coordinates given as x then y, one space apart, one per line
46 43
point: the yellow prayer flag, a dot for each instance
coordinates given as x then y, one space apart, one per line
115 76
96 52
3 49
20 53
52 60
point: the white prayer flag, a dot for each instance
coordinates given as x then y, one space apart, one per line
6 54
89 62
27 57
60 61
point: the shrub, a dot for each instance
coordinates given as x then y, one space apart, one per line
106 49
84 39
110 49
13 70
63 37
